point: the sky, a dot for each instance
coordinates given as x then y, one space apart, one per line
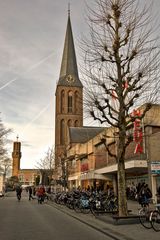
32 36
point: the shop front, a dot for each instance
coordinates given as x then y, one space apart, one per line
94 181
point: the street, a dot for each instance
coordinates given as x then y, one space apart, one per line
28 220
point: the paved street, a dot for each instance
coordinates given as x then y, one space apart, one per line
129 229
28 220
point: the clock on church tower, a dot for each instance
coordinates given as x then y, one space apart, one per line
70 78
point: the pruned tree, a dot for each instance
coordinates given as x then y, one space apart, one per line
61 171
122 62
46 166
5 161
64 170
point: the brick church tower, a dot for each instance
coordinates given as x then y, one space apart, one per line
16 156
69 94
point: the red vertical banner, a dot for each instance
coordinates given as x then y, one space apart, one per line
137 132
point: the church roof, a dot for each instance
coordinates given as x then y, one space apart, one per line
69 68
83 134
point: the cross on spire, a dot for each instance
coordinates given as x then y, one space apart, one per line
17 137
68 9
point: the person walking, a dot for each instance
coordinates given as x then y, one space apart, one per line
18 192
41 194
30 193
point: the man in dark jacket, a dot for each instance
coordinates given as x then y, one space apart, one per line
18 192
30 193
144 194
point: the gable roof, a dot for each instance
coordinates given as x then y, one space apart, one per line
83 134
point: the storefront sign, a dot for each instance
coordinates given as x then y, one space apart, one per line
137 132
155 167
84 167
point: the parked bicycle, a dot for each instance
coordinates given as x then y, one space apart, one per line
82 203
145 213
101 203
155 218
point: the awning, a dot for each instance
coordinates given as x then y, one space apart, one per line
133 164
93 175
73 178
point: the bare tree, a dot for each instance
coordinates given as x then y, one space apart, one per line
122 61
61 171
46 166
64 170
5 161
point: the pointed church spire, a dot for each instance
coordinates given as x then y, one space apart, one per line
69 68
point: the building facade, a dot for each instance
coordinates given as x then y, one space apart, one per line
90 163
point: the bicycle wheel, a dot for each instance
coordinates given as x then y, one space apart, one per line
144 218
85 210
95 210
77 207
155 220
84 206
45 200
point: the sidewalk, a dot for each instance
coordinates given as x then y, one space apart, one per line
135 206
125 230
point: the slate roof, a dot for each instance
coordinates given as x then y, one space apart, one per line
69 63
83 134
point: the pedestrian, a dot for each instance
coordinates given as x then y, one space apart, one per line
41 194
30 193
18 192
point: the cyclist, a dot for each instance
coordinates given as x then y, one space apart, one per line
18 192
144 195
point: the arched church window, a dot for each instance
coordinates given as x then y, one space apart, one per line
69 123
62 132
77 101
62 101
76 123
70 102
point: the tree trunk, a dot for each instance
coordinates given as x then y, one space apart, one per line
122 200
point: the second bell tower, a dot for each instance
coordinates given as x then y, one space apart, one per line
16 156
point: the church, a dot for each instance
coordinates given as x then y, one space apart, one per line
68 112
68 109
